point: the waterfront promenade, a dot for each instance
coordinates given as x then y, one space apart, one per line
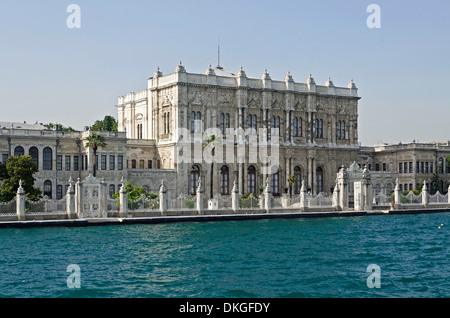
157 219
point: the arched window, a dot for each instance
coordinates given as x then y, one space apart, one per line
377 189
112 190
47 158
198 123
298 179
133 164
224 180
251 179
300 133
275 184
320 128
192 122
227 123
295 126
388 189
48 188
254 122
276 125
441 165
34 153
18 151
319 180
195 177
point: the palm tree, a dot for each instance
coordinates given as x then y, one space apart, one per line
94 141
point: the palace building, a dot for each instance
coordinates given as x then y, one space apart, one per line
265 131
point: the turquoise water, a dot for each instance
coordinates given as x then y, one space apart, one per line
325 257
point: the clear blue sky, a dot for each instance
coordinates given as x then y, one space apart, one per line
51 73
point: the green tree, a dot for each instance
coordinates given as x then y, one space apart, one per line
134 193
95 140
19 168
108 123
436 184
59 127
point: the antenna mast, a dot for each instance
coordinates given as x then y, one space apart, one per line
218 54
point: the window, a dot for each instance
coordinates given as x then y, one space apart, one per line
441 165
339 130
75 163
401 187
410 167
195 176
319 180
67 163
198 122
112 162
224 180
251 179
139 131
431 167
149 164
4 158
18 151
48 188
384 167
426 167
377 167
192 122
47 158
103 163
400 167
112 190
299 127
119 162
222 123
275 125
405 167
59 193
377 189
227 123
295 126
388 189
421 167
417 167
34 153
275 184
298 179
133 164
141 164
319 128
343 130
58 162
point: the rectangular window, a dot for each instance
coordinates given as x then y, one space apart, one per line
120 162
112 162
405 167
86 163
410 168
59 194
384 167
431 167
149 164
103 163
4 158
377 167
58 162
421 167
67 158
417 167
75 163
400 168
426 167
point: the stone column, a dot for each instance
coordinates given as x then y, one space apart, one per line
163 198
79 199
397 194
199 197
343 187
103 199
267 197
336 196
235 197
367 189
70 201
123 198
303 196
425 197
20 203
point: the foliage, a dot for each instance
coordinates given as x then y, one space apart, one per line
436 184
95 140
292 179
59 127
108 123
134 193
19 168
189 203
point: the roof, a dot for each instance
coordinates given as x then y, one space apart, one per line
24 125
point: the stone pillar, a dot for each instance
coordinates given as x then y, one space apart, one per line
163 200
200 197
20 203
235 197
397 195
123 198
103 207
70 201
425 197
367 189
79 199
336 196
267 197
343 187
303 196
